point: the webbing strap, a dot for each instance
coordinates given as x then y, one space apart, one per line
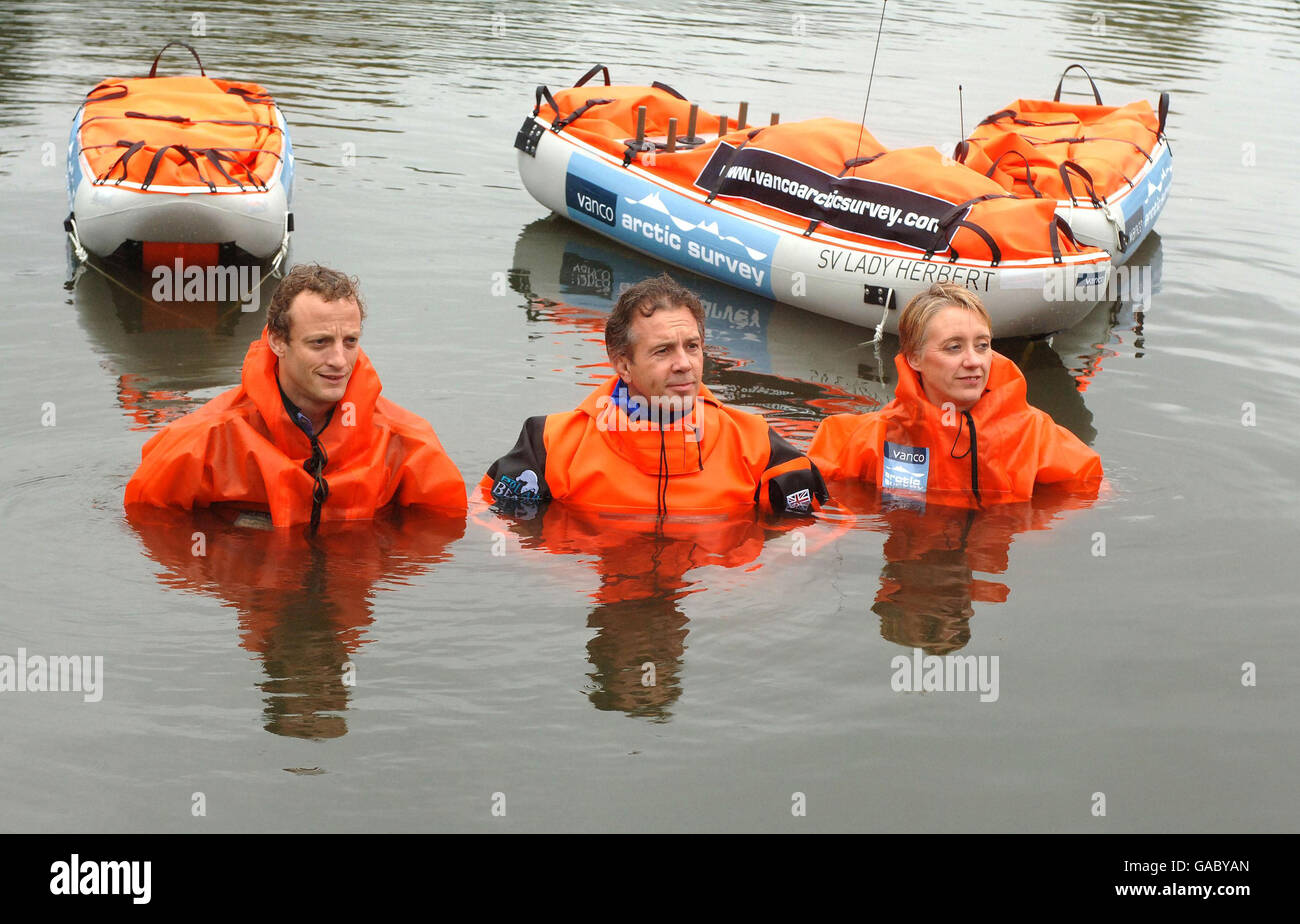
1044 142
577 113
1065 169
592 73
1011 114
249 96
1096 94
186 120
184 152
667 89
722 174
131 148
952 219
1029 177
215 156
118 90
848 165
994 251
153 71
1054 231
544 92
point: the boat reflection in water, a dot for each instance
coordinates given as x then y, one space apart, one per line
305 602
789 365
792 366
169 355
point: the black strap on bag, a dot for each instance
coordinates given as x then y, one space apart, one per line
1029 178
131 148
1065 169
111 91
1020 120
185 153
722 174
848 165
1055 229
544 93
561 124
1096 94
953 220
153 71
250 96
592 73
667 89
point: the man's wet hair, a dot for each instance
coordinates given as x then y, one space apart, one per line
329 284
645 298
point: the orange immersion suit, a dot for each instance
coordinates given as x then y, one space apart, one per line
242 447
713 459
994 453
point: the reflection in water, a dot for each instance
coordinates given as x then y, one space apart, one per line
304 602
641 564
142 338
636 656
790 365
928 583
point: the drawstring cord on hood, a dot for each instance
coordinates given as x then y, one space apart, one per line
972 451
661 478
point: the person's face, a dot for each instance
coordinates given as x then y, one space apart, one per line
666 356
316 360
954 358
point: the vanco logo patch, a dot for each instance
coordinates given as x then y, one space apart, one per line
591 200
905 468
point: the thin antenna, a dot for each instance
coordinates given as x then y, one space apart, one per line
961 115
863 126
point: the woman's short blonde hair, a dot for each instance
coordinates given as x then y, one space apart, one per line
925 305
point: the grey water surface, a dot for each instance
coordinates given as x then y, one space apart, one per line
497 665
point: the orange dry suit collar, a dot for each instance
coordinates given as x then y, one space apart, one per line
664 417
1006 388
673 445
290 427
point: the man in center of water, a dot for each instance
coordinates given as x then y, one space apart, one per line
652 438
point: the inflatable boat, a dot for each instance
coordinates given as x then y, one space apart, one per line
1108 167
817 213
188 161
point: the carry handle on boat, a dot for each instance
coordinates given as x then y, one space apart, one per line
1164 112
954 219
1096 94
592 73
1029 178
543 91
153 71
1065 169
